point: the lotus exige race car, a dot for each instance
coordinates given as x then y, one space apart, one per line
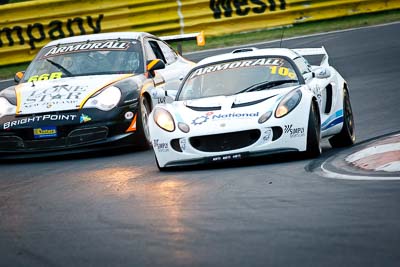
251 103
84 91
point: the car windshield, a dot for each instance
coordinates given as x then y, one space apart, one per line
86 58
239 76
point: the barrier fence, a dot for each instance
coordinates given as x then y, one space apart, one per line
27 26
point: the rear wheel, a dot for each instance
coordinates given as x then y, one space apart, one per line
143 139
347 135
313 133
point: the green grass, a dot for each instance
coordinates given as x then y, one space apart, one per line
8 72
266 35
296 30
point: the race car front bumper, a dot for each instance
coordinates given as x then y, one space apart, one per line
86 128
228 157
226 146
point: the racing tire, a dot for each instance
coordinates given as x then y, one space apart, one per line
347 136
143 139
313 133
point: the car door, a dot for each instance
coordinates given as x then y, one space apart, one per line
322 88
175 69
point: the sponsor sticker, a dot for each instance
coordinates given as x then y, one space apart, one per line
182 143
267 135
161 147
294 132
318 93
40 118
239 64
87 46
45 132
55 95
129 115
223 116
84 118
161 100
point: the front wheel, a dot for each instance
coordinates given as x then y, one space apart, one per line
143 138
347 136
313 133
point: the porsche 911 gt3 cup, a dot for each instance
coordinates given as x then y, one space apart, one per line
89 90
252 103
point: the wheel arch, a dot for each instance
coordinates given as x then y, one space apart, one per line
148 98
346 87
342 93
314 101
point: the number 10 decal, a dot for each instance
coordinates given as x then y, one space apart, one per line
283 71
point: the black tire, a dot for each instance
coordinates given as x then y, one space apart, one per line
347 135
143 138
313 133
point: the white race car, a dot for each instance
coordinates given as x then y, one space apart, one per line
252 102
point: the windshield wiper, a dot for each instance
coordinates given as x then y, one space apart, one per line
60 67
265 85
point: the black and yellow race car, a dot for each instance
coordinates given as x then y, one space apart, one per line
88 91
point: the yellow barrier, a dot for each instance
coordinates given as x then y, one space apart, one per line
27 26
217 17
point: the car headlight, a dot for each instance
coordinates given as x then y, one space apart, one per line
6 108
164 119
106 100
288 103
265 117
183 127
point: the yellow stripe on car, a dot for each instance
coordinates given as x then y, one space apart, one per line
18 94
102 87
152 63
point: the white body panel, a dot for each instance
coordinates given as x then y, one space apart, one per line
174 73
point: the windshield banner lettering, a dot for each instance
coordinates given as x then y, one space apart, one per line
239 64
104 45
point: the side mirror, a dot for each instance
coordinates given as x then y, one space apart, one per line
155 64
18 76
322 73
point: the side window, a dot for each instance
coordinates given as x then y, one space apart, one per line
157 50
149 51
169 54
302 65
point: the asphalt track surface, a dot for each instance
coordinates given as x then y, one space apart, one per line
116 209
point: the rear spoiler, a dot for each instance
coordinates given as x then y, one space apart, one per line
314 52
198 36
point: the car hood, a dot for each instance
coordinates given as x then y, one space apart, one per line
60 94
209 112
226 102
